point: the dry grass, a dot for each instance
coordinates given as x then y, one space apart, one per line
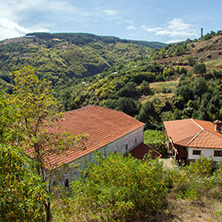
157 86
180 210
188 211
168 163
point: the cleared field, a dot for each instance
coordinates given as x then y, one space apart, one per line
162 91
168 85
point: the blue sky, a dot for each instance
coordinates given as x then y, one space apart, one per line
151 20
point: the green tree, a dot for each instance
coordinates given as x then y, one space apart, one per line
191 60
21 189
200 68
127 105
145 88
148 113
199 87
117 187
21 192
36 111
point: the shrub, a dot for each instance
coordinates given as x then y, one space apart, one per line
119 186
192 181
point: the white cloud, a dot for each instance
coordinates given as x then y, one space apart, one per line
110 12
174 28
131 27
174 41
10 29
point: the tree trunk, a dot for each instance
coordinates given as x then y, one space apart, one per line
48 211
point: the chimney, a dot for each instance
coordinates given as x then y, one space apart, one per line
201 32
218 124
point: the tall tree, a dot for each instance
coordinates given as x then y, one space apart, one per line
21 190
37 110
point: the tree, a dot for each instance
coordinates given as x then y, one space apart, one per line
199 87
21 190
191 60
127 105
37 110
145 88
200 68
148 113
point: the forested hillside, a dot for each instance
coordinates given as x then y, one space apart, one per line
180 80
154 89
62 56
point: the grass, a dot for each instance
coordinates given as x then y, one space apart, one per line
169 85
157 87
214 64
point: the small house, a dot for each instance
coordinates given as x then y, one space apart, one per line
189 138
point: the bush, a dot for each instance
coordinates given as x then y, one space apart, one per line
118 187
194 180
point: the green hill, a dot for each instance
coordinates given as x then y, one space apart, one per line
65 55
180 80
157 89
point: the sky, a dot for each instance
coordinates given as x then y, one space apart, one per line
165 21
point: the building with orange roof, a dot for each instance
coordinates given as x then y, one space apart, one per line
108 130
190 138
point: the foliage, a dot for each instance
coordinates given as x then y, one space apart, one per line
148 113
117 187
62 56
36 111
199 68
21 190
194 180
157 140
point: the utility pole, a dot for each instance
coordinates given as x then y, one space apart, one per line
201 33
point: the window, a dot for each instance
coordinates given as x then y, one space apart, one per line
136 140
217 153
196 152
126 146
66 182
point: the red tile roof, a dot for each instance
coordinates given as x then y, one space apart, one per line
194 133
142 149
103 126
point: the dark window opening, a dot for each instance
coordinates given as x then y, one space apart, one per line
126 146
217 153
135 140
196 152
66 182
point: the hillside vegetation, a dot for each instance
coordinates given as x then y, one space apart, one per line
176 81
117 188
62 56
158 89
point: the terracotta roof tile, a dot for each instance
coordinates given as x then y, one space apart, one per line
142 149
194 133
103 126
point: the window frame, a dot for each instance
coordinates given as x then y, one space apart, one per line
219 153
196 152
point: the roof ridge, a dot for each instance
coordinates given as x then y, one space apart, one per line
84 107
207 130
194 137
197 124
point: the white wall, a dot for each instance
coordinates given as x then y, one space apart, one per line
204 152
